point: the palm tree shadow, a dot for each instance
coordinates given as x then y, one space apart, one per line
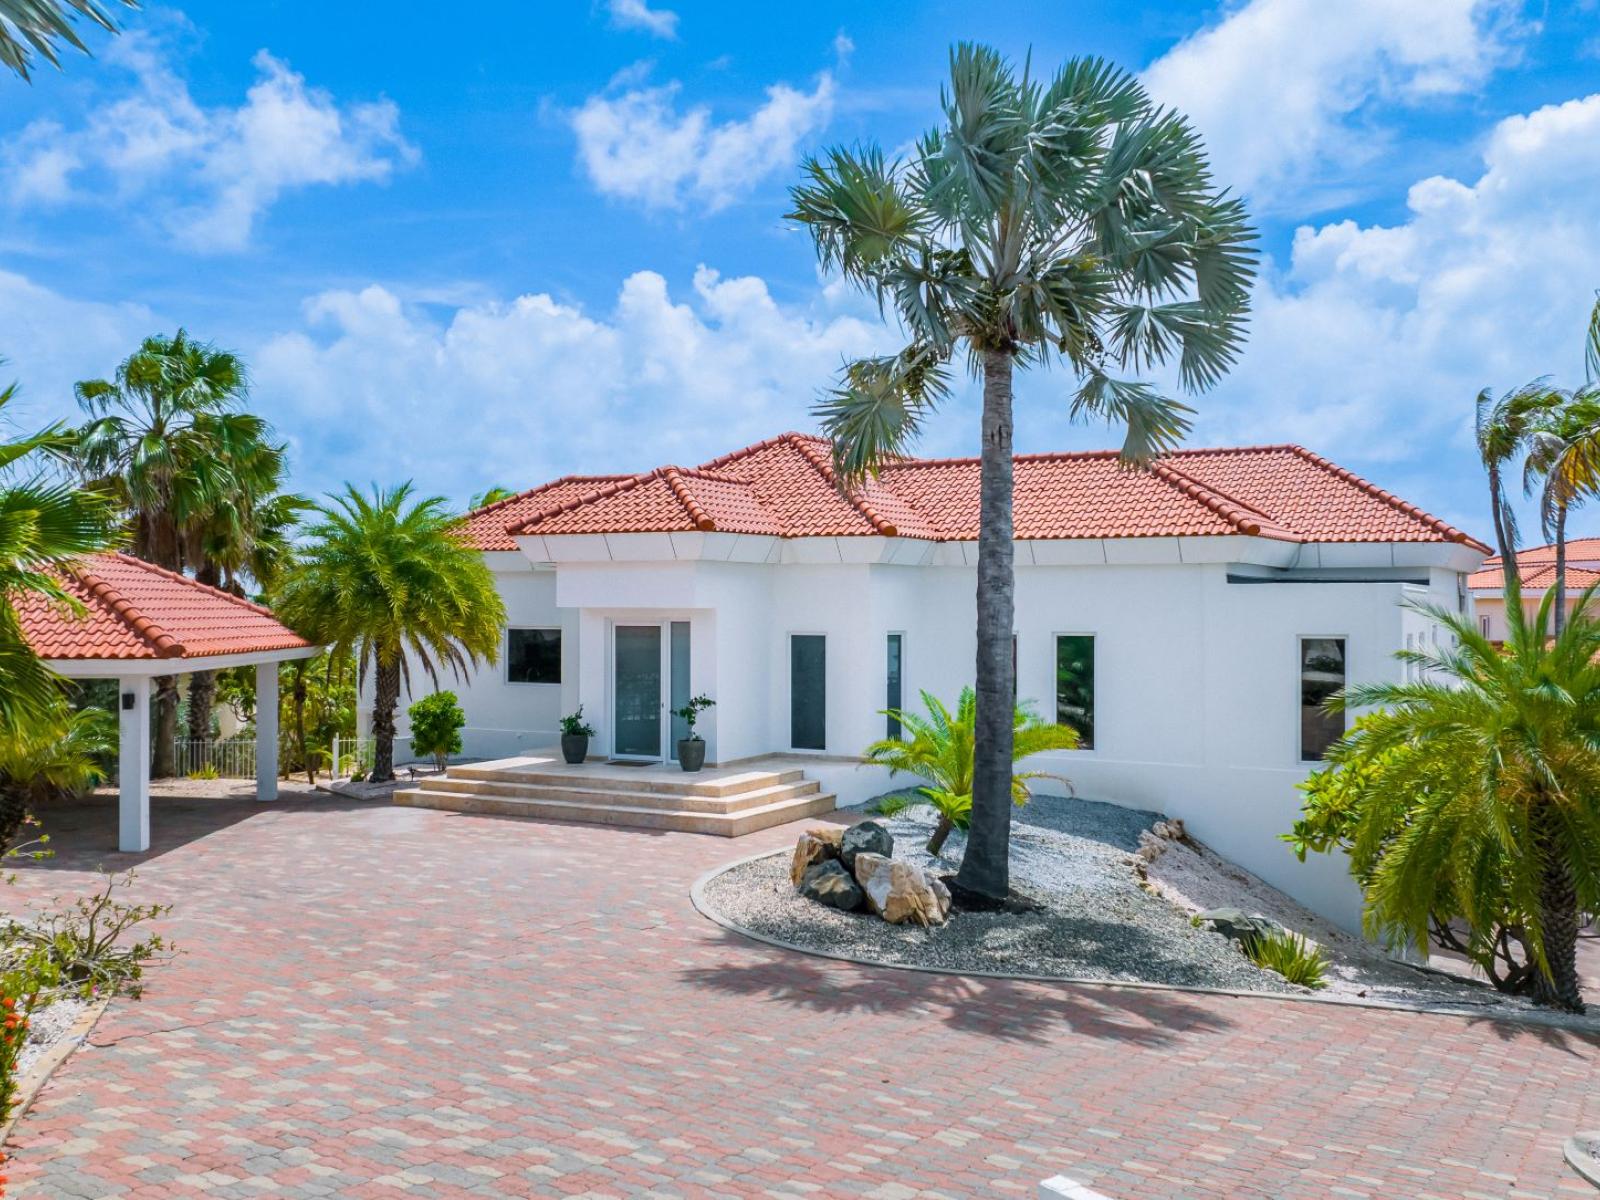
1579 1043
1004 1009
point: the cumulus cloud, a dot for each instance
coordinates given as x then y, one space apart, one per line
1285 91
519 391
637 14
220 168
636 143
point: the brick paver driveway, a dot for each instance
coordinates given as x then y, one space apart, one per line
386 1002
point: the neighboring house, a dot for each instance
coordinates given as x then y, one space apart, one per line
1536 567
1188 619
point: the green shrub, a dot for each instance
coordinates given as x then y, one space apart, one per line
893 804
1291 956
84 949
208 771
436 723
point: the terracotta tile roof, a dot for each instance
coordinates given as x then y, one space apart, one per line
1535 578
785 487
1579 550
134 610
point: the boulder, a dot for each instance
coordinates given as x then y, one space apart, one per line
868 837
809 850
832 834
1237 924
829 883
901 891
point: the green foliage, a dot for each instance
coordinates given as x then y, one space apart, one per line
436 724
691 711
1474 794
1291 956
205 771
1071 220
892 804
93 948
58 754
30 27
573 725
941 750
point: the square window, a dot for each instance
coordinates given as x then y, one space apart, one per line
533 655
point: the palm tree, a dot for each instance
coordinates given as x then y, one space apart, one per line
44 523
941 750
36 26
62 754
1483 776
158 439
393 581
1072 221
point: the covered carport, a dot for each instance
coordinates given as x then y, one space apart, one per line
138 622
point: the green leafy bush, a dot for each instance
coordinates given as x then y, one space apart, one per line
86 948
690 713
573 725
436 724
1291 956
893 804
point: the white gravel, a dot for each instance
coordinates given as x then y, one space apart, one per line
47 1027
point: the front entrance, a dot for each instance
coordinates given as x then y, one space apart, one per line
636 721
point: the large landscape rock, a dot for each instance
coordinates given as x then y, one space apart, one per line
1237 924
809 850
866 838
901 891
829 883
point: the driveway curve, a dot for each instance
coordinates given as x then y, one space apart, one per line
376 1001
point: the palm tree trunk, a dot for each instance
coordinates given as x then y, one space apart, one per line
163 756
985 867
1557 985
386 698
941 833
1502 534
1561 568
202 699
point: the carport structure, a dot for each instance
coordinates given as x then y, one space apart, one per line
139 622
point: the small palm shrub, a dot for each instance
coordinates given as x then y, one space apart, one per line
891 805
941 751
55 754
1291 956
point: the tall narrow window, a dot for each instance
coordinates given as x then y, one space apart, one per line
1322 673
1075 685
895 698
808 696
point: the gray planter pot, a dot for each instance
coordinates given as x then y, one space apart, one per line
574 747
692 753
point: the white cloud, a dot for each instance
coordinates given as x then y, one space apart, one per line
637 14
520 391
219 169
637 145
1283 90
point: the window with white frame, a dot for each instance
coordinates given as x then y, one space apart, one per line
1322 673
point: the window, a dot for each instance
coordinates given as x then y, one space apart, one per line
808 672
1075 685
1483 626
895 697
533 655
678 684
1322 673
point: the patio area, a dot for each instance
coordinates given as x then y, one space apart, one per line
384 1001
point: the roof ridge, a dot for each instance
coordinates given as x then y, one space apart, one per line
681 493
241 601
746 451
124 610
1449 532
824 468
1225 506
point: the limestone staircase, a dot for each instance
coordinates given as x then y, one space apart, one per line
728 802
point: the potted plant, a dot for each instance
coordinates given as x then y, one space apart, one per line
575 735
692 749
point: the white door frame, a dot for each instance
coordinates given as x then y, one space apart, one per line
665 631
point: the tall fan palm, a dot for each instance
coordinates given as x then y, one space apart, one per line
393 580
44 523
1071 221
1484 773
941 750
158 439
29 27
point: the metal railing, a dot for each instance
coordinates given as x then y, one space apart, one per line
222 758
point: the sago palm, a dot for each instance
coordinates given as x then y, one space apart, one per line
45 522
941 749
1066 221
393 581
29 27
1483 776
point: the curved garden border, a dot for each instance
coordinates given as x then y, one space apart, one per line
31 1084
703 907
1579 1158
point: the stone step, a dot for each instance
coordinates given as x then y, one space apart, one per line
599 794
611 777
722 824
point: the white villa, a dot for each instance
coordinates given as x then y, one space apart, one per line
1188 619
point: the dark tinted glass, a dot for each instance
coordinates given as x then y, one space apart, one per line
1321 675
533 656
808 712
1075 685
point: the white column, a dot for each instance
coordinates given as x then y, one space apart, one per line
133 764
267 731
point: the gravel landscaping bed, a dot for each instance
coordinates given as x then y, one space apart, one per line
1097 919
46 1027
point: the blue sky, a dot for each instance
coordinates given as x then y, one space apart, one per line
544 238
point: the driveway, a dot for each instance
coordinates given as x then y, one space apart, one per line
382 1002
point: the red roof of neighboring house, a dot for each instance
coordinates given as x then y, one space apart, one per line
1578 550
1535 578
785 487
135 610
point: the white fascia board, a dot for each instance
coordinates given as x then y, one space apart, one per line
533 548
812 551
1356 554
505 562
866 550
640 547
113 668
1451 556
576 547
1068 552
912 552
752 547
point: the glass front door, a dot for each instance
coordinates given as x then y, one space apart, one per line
637 727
